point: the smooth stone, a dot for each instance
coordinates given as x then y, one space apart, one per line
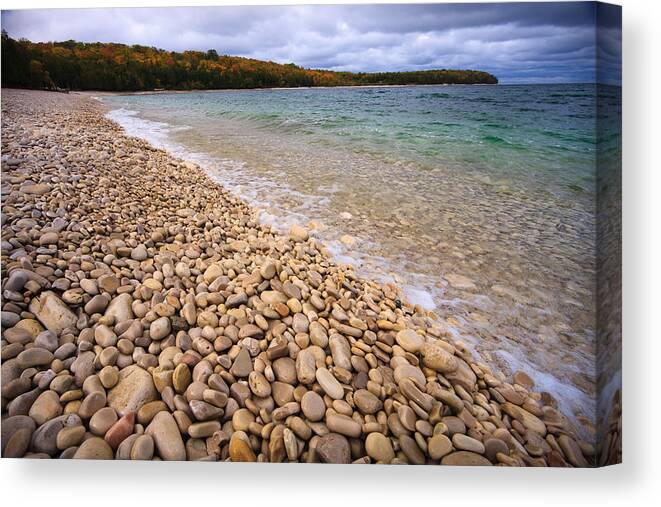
90 287
465 458
242 365
242 419
212 272
236 300
165 432
83 366
104 336
124 450
97 304
367 402
329 384
120 309
493 446
92 403
46 407
282 393
437 358
530 421
409 340
341 351
239 448
318 335
313 406
572 451
108 283
285 370
268 269
411 449
45 436
70 437
139 253
94 448
49 238
298 233
34 357
466 443
306 368
12 424
102 420
109 376
16 282
143 448
181 378
343 425
160 328
334 448
438 446
523 379
18 444
203 429
9 319
120 430
134 389
47 340
379 447
52 312
258 384
204 411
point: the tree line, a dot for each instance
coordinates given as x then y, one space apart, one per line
118 67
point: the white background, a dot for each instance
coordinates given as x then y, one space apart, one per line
636 482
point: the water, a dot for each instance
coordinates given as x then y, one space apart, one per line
478 201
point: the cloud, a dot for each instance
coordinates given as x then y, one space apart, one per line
518 42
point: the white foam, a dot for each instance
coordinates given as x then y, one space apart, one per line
420 297
570 399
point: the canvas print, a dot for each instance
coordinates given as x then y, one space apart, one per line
339 234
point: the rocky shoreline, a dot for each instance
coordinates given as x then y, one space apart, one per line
147 314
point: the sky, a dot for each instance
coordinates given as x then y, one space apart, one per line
517 42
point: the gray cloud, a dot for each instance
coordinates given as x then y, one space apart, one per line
518 42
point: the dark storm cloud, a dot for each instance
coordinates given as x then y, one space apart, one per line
518 42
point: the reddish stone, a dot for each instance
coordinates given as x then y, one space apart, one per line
120 430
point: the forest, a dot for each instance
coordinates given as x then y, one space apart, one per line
117 67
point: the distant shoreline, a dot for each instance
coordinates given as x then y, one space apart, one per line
294 88
283 88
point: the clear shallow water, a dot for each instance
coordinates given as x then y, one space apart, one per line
477 200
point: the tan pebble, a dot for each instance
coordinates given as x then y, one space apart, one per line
94 448
239 448
465 458
379 448
143 448
438 446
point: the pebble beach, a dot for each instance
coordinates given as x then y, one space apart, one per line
147 314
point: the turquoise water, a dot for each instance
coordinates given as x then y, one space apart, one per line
478 201
540 133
